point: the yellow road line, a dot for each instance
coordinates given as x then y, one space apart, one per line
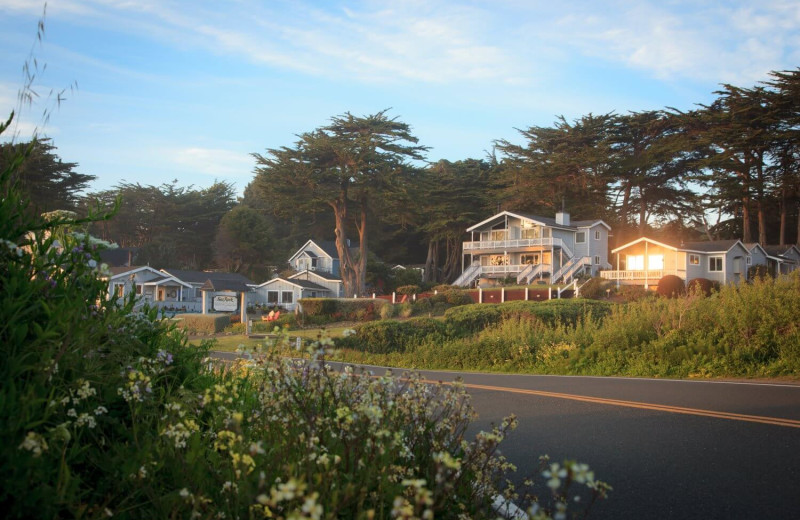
775 421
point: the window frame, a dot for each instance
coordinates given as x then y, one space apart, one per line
597 234
694 259
578 236
284 300
712 261
269 297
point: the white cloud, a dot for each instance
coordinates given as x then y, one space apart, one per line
213 162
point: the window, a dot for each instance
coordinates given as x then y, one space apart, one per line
715 264
596 260
313 264
634 262
286 296
694 259
531 233
597 234
138 289
749 260
272 296
580 237
529 259
499 234
119 290
655 262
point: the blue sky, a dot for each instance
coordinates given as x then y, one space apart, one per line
187 90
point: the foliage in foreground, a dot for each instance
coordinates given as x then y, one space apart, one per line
749 330
108 412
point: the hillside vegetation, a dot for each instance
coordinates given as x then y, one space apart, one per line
751 330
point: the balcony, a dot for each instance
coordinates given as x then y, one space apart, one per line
641 275
505 245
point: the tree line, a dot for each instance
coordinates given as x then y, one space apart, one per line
728 169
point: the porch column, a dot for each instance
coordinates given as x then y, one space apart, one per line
205 302
646 266
243 309
618 273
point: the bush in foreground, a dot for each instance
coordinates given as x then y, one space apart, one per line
105 411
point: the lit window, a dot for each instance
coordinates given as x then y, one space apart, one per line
694 259
715 264
634 262
655 262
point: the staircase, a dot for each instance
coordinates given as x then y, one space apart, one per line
468 276
529 273
570 268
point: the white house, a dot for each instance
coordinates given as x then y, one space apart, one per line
150 285
530 247
285 292
645 261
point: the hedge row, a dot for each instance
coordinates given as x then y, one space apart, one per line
339 309
383 337
203 323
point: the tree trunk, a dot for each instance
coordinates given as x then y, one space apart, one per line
431 261
762 219
346 268
784 216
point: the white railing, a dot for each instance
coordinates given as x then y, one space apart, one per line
513 244
653 274
531 272
570 268
468 276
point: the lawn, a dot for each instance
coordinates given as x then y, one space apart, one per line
231 342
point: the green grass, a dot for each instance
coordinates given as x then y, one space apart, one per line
232 342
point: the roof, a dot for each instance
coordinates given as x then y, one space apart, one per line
773 250
200 277
224 285
122 270
320 274
714 246
545 221
305 284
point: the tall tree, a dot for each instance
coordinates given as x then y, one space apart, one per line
651 165
566 163
48 182
242 243
346 166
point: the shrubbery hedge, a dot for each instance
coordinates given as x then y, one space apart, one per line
203 323
383 337
341 309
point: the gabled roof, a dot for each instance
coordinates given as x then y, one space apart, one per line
774 251
117 272
543 221
162 280
328 248
225 285
200 277
304 284
319 274
715 246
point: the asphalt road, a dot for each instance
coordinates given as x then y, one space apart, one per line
670 449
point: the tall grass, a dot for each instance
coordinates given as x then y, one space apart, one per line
750 330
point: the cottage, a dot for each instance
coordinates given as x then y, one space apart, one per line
645 261
149 285
530 247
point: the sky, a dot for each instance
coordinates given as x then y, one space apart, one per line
163 90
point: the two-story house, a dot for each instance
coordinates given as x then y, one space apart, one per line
531 247
317 276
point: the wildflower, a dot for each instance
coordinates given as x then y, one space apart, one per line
554 475
184 493
108 512
34 443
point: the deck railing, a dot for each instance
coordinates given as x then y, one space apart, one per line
652 274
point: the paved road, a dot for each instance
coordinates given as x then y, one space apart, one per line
670 449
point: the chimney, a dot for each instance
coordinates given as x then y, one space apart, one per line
562 218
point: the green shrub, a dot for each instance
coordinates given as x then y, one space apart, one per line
383 337
703 286
422 306
404 310
204 323
671 286
456 298
320 311
758 271
386 311
595 288
445 288
632 293
408 289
